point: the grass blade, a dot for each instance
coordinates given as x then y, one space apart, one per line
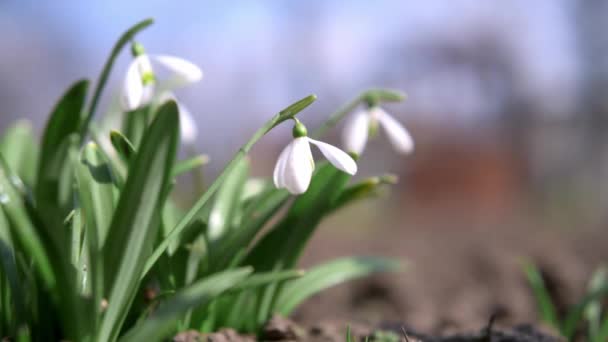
26 234
576 313
294 231
53 190
161 323
136 220
122 145
548 312
189 164
593 311
226 202
20 151
327 275
8 266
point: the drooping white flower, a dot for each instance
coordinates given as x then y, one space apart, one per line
140 81
187 124
358 127
294 168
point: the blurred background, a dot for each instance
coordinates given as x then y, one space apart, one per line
506 102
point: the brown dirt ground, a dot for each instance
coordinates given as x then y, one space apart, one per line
461 271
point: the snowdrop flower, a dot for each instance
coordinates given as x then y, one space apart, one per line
295 165
187 124
364 124
140 80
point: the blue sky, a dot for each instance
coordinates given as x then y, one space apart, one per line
260 55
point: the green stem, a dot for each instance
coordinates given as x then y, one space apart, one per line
374 95
336 116
198 174
196 209
105 73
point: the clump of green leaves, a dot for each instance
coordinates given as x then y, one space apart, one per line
589 311
93 246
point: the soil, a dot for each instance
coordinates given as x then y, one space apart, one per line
283 329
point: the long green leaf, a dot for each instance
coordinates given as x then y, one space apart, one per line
264 278
281 247
576 313
23 229
366 188
294 231
54 181
122 145
227 202
95 183
161 323
264 207
105 73
593 311
136 220
20 151
189 164
63 122
327 275
96 194
548 312
8 266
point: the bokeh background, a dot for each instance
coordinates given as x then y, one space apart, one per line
507 105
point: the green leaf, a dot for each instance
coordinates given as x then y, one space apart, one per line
285 242
593 311
602 334
383 95
8 266
122 145
263 208
227 202
576 313
162 322
54 185
294 292
20 151
189 164
23 230
49 253
264 278
136 220
297 107
548 312
281 247
105 73
96 195
95 184
366 188
135 124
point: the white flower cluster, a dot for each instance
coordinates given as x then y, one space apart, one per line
295 165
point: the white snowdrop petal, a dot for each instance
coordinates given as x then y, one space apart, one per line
147 94
279 168
355 132
184 69
133 88
144 65
187 125
399 137
340 159
299 167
